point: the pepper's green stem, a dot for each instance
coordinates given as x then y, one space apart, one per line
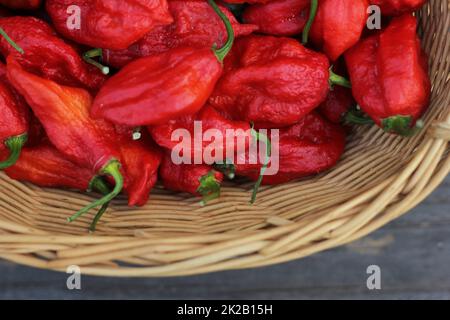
94 53
15 145
338 80
209 187
98 184
261 137
357 117
113 169
11 41
312 17
401 125
222 53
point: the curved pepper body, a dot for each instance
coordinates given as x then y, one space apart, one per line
279 18
398 7
309 147
195 24
156 89
21 4
389 73
46 54
64 114
338 25
272 82
113 24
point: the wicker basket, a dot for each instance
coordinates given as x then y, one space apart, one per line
380 178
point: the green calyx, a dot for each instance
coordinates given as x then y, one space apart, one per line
95 53
401 125
209 187
356 116
15 145
11 41
112 169
261 137
227 168
312 17
337 80
223 52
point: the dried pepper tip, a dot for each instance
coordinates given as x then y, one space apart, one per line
261 137
222 53
10 41
401 125
112 169
338 80
228 169
100 185
312 17
15 145
95 53
209 187
356 116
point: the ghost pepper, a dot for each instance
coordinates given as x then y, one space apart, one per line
280 18
21 4
43 53
200 180
64 114
272 82
398 7
389 74
112 24
195 24
14 121
339 101
338 25
155 89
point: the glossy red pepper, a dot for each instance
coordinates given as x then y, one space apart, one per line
200 180
398 7
21 4
156 89
389 74
279 18
195 24
311 146
338 103
46 54
14 121
64 114
338 25
272 82
113 24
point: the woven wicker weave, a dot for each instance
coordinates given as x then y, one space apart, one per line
380 178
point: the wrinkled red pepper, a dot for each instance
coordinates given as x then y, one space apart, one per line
64 114
155 89
195 24
200 180
21 4
338 25
398 7
112 24
272 82
338 103
279 18
14 121
46 54
389 74
311 146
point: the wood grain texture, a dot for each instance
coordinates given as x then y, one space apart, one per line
413 253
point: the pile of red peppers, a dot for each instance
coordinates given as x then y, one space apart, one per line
93 92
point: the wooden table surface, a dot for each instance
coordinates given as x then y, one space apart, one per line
413 254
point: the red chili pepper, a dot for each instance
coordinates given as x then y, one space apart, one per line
113 24
156 89
14 121
338 103
272 82
398 7
309 147
195 24
200 180
64 113
389 74
141 160
43 53
338 25
21 4
280 18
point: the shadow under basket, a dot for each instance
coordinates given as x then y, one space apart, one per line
380 177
